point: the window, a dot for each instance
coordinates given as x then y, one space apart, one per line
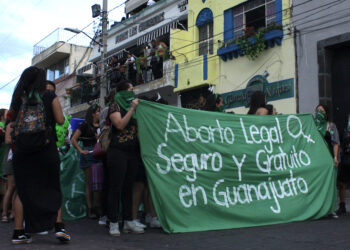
58 70
206 42
255 13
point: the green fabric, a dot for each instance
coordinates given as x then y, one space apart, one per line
72 186
321 122
138 65
348 128
2 125
61 131
209 170
124 98
220 109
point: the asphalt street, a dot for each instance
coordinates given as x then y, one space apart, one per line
326 233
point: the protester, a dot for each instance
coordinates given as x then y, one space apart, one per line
104 123
87 133
344 171
329 132
36 169
219 104
51 86
271 109
258 104
122 158
7 170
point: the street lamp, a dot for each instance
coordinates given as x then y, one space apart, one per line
96 9
77 31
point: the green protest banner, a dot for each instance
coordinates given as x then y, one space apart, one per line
73 186
209 170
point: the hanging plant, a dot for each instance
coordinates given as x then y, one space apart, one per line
253 45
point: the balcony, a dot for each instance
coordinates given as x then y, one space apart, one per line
234 50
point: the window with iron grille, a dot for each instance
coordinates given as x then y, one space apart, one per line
254 13
206 42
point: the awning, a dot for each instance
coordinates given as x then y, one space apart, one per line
157 33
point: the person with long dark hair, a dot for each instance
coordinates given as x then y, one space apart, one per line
87 133
330 134
257 104
122 158
37 173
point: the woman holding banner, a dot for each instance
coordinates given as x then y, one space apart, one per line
122 158
330 134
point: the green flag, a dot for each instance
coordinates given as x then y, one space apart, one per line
73 186
209 170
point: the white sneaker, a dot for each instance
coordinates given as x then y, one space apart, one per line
334 215
148 219
155 223
139 224
114 229
131 227
102 221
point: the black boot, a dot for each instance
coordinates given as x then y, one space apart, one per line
341 210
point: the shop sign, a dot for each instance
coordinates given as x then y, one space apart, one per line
139 28
151 22
273 91
85 68
123 36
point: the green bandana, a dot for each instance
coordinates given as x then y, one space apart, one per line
124 98
321 122
348 124
220 109
2 125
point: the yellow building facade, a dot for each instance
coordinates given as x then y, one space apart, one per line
234 47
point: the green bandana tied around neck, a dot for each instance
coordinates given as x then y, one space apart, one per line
321 122
124 99
220 109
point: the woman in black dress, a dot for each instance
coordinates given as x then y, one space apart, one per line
37 173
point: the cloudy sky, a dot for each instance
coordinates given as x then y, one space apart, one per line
25 22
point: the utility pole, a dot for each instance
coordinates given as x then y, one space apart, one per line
103 84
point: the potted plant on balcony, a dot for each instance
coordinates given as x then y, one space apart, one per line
252 43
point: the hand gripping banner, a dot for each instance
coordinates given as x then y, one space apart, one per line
209 170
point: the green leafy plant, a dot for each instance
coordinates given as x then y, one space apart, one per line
252 43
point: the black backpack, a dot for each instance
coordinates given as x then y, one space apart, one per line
31 133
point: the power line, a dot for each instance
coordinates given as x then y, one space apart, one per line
6 84
194 42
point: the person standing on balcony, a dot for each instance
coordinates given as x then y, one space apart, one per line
115 74
150 2
156 70
131 64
